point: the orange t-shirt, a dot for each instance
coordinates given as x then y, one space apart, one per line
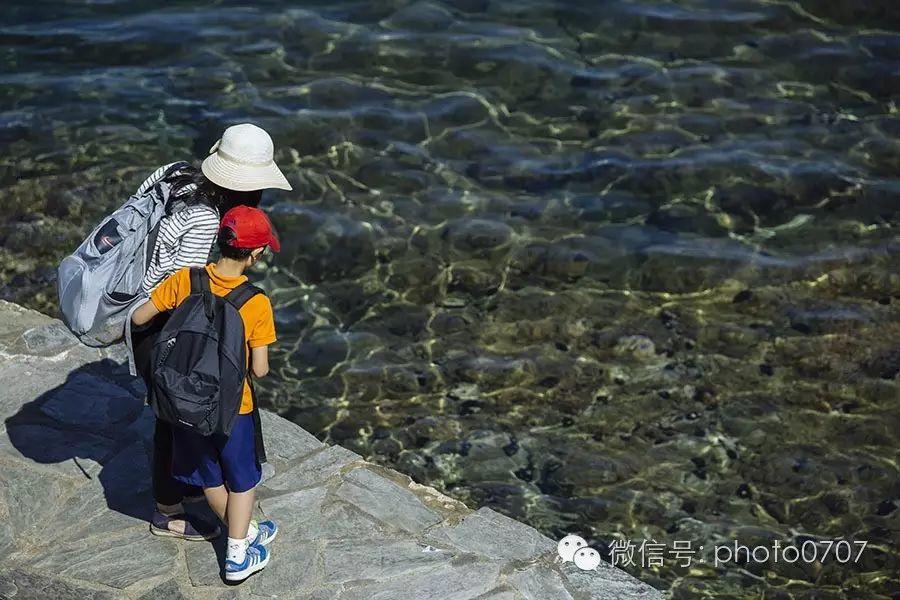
259 320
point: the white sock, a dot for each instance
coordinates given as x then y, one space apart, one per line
252 531
237 550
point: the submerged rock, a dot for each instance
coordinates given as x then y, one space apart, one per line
638 347
477 237
420 16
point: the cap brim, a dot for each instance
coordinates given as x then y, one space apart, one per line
243 178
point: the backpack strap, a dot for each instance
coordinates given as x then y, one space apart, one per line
162 173
175 167
257 425
167 172
200 285
199 281
240 295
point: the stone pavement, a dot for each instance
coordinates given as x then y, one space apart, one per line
75 503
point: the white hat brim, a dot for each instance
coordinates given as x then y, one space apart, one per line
243 178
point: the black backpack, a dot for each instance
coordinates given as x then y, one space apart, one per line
198 362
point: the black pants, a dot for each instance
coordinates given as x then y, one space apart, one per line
166 489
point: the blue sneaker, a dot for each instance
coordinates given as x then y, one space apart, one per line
267 532
256 560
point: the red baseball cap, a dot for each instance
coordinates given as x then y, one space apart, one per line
251 227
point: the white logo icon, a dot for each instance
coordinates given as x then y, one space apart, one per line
573 548
567 547
587 559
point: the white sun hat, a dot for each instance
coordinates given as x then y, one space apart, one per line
243 160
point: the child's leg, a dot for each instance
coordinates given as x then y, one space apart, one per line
229 506
220 499
242 474
239 511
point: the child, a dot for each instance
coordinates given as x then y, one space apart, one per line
227 468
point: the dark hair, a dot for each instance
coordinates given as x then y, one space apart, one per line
226 236
212 195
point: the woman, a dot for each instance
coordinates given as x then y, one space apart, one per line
240 165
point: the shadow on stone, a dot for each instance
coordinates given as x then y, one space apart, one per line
91 429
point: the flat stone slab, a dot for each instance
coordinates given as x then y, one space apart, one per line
285 441
488 533
27 498
462 581
18 584
168 590
296 570
501 595
114 561
322 593
348 561
31 379
314 470
386 501
538 582
607 581
116 500
75 444
89 402
316 514
46 339
75 454
204 562
17 321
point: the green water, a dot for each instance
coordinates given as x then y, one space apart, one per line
626 269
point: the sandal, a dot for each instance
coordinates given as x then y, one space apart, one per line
195 530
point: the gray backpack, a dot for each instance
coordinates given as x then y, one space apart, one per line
98 282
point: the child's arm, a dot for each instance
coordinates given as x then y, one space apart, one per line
145 313
164 297
261 335
259 361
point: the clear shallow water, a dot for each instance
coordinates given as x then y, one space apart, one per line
492 199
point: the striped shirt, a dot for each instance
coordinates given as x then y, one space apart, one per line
185 240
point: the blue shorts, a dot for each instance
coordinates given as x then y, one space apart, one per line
215 460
